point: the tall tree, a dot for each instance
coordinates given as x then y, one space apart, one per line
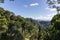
2 1
54 4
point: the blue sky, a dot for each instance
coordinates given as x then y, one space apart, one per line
36 9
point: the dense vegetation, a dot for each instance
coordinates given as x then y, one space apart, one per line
14 27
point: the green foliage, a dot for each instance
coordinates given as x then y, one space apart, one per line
55 31
3 23
56 21
14 27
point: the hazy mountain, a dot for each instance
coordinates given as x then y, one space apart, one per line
43 22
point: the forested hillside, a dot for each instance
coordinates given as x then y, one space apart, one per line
14 27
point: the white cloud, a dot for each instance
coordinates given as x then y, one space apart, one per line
47 17
53 9
34 4
50 9
42 17
31 5
58 5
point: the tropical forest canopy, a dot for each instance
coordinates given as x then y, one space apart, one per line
14 27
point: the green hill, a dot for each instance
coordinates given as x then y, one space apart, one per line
14 27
